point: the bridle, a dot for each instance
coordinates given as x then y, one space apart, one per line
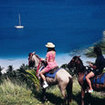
38 67
77 64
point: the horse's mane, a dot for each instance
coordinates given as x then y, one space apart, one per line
37 56
80 61
81 66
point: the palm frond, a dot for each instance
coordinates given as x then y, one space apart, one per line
31 74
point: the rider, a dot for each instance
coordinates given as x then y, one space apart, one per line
51 63
97 67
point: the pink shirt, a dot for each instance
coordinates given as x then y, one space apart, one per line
50 57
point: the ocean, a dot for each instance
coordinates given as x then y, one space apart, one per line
69 24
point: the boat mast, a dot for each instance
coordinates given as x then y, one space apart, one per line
19 20
19 26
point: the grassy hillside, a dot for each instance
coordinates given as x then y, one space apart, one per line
14 94
19 94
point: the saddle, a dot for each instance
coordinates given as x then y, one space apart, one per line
52 72
97 81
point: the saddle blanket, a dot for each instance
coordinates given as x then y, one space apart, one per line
98 80
52 75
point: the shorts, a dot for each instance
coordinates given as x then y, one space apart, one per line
96 72
47 69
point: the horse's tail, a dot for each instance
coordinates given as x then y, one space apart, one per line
69 89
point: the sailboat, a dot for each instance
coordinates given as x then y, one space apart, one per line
19 26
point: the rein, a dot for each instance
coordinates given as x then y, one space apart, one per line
38 67
77 62
38 64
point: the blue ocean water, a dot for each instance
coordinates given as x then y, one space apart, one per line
69 24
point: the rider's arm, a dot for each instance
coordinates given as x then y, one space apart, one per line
93 66
42 59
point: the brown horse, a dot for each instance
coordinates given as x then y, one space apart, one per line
98 82
62 78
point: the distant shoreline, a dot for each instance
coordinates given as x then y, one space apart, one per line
60 59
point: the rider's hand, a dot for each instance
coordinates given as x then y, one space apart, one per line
42 59
90 64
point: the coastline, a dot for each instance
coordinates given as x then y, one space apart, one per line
60 59
65 58
15 62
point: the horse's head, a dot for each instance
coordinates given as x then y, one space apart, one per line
33 60
74 61
77 63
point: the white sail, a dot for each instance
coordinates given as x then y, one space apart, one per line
19 26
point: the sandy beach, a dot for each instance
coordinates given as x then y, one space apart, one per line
60 59
16 63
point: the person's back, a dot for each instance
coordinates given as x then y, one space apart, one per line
100 63
51 63
51 59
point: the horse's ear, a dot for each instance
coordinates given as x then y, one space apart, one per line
29 54
33 53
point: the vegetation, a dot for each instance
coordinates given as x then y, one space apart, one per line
31 74
101 44
15 94
19 87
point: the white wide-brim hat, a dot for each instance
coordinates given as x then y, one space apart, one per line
50 45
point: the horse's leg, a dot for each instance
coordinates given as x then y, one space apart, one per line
64 95
63 92
43 95
82 96
66 87
88 99
43 91
69 91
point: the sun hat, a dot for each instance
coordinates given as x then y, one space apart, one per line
50 45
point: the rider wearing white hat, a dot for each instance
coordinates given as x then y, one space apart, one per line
51 63
50 45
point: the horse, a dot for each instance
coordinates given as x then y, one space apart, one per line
62 78
98 82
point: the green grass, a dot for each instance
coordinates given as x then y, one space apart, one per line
14 94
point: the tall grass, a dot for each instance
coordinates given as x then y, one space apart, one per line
20 94
14 94
31 74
